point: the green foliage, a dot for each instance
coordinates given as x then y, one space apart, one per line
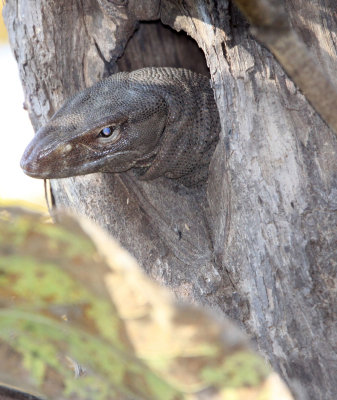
79 324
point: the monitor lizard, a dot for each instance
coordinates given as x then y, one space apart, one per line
162 121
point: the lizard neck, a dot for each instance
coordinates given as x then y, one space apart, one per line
191 131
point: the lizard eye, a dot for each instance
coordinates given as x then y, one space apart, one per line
111 132
106 132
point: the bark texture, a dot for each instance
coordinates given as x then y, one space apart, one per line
259 243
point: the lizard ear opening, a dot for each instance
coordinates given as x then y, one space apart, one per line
156 45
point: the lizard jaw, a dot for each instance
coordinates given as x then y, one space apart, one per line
41 167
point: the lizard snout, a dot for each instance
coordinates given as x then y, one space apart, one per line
46 158
29 161
35 161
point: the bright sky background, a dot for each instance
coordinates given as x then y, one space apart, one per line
15 132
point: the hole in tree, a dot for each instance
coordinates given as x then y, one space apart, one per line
156 45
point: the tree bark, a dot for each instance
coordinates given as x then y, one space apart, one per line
259 243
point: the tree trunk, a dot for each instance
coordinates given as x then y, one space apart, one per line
259 242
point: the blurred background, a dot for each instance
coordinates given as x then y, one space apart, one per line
15 132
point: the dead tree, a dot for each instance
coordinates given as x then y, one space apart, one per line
259 242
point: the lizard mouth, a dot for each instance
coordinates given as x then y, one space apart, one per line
31 173
48 169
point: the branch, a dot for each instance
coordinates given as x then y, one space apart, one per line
271 26
78 319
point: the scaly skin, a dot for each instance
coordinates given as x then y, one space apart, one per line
163 120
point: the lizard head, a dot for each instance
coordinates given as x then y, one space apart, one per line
109 127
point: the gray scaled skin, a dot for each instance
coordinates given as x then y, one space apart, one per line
162 120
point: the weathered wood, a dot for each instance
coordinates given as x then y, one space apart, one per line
7 393
261 246
271 25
